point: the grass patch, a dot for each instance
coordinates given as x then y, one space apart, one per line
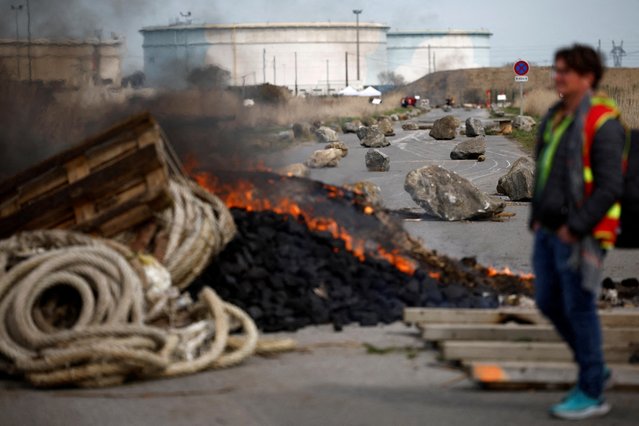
411 352
527 140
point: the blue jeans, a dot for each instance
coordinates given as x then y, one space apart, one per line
572 310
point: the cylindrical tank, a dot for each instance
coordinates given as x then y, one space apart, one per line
415 54
314 54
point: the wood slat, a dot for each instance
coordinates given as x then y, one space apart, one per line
467 351
516 332
609 318
498 372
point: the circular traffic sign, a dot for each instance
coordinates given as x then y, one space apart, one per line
521 67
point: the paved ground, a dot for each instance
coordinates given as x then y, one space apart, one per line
335 380
494 243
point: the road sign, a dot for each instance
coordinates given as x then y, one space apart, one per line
521 67
521 78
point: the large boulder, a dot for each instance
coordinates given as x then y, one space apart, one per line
411 125
519 182
445 128
351 126
448 196
326 135
372 137
338 145
297 169
324 158
377 161
474 127
524 122
371 192
302 130
469 149
386 126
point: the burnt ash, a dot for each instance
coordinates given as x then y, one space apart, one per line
288 277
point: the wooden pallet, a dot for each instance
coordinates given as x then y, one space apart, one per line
107 184
504 348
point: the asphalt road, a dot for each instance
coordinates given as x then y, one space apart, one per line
503 244
334 380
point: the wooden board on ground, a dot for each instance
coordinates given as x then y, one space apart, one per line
609 318
516 333
467 351
498 374
108 184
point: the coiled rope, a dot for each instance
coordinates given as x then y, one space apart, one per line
76 310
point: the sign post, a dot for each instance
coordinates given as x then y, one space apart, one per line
521 69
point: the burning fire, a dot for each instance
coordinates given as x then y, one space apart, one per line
493 272
243 195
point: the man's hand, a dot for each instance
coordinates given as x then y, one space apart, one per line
566 236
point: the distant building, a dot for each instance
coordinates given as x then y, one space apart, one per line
320 57
69 63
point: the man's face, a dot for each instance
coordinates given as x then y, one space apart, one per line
568 82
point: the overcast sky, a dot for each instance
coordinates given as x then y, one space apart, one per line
530 29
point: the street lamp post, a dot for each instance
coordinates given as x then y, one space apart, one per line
17 9
357 12
29 40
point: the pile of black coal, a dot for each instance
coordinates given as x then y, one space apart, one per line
288 277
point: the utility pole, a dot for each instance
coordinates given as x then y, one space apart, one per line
264 66
328 83
295 73
274 70
17 9
29 41
617 53
434 63
346 61
357 12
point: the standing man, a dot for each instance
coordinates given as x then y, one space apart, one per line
575 217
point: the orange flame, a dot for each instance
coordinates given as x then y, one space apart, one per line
493 272
242 195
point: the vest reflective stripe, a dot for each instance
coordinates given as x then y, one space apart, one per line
552 137
602 110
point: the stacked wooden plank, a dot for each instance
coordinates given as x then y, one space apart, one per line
105 185
519 348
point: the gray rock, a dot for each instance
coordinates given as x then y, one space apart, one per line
518 183
448 196
474 127
372 137
326 135
286 136
338 145
324 158
371 192
447 108
499 113
298 169
394 117
445 128
481 158
411 125
377 161
385 124
369 121
302 130
524 122
351 126
469 149
425 126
